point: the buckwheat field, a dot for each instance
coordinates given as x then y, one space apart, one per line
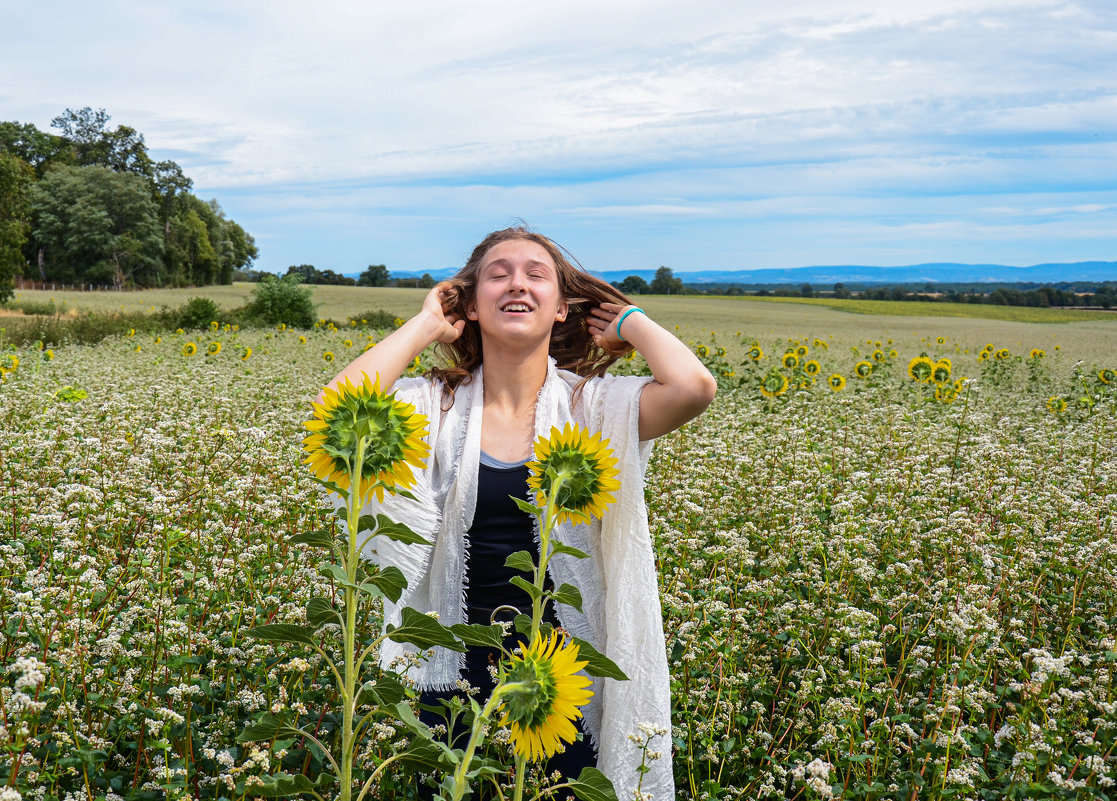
887 558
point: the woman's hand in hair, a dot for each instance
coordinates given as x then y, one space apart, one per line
602 323
437 306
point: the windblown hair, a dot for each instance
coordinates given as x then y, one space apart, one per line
572 346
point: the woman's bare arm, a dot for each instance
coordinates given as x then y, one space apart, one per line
682 388
390 357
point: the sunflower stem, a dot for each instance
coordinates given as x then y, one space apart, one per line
476 736
549 512
349 636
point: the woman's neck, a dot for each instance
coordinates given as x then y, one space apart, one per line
513 383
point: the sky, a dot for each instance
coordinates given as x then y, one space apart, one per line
710 134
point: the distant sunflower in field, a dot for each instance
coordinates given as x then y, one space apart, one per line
790 360
1107 376
946 393
281 327
941 340
131 332
213 325
878 355
892 354
818 343
984 355
179 332
541 715
863 369
213 349
812 367
802 351
720 353
245 353
921 368
1056 404
756 353
362 417
1002 354
302 339
837 382
586 466
348 343
702 351
189 349
328 356
940 373
773 385
1036 353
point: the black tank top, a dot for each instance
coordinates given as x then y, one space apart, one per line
499 529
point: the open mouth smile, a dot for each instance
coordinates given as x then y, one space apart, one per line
515 307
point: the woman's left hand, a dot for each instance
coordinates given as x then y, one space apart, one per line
602 323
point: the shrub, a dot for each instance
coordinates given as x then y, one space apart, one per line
198 313
282 300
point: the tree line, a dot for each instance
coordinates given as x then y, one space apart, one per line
373 275
88 205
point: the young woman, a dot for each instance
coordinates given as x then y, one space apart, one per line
529 337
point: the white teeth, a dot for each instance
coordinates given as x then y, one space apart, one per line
516 307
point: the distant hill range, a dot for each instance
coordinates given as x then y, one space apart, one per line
855 274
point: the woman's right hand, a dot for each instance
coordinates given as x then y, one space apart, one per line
436 307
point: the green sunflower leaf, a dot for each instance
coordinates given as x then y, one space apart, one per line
422 755
321 612
385 691
475 634
285 785
558 547
526 586
592 785
331 486
283 632
568 594
520 560
319 539
423 631
599 664
527 508
389 582
267 727
337 573
384 527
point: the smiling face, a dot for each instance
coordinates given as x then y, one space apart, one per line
518 293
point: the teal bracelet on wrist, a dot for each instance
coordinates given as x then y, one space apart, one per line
630 311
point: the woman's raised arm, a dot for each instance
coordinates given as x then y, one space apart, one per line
682 388
390 357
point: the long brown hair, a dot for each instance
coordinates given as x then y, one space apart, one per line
572 346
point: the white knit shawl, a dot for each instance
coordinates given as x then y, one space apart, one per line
621 611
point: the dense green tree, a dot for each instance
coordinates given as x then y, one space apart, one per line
98 225
121 150
375 275
665 283
37 148
190 257
15 218
426 281
633 285
281 300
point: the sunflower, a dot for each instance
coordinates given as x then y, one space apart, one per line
245 353
728 372
756 353
812 367
837 382
984 355
863 369
892 354
158 340
702 351
878 355
214 348
1106 375
543 696
11 362
773 385
1056 404
1036 353
945 360
940 373
802 351
1001 354
921 368
818 343
213 326
189 349
281 327
941 340
720 353
348 343
946 393
328 356
302 339
131 332
48 354
179 332
586 466
391 432
790 360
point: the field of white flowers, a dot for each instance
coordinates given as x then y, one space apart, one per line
892 589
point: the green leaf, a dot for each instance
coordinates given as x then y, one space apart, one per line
321 612
283 632
423 631
527 508
568 594
267 727
337 573
526 586
385 691
389 582
285 785
521 560
383 526
599 664
331 486
558 547
592 785
474 634
422 755
319 539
